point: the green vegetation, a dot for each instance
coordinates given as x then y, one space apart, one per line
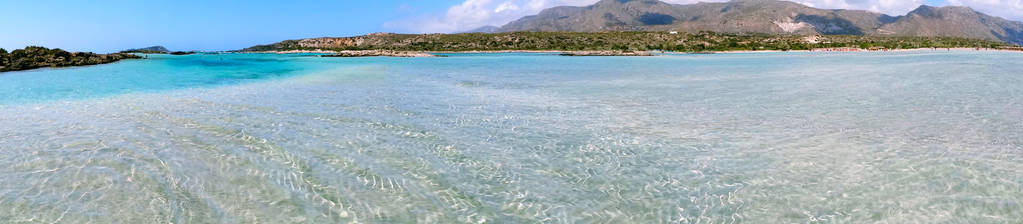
622 41
39 57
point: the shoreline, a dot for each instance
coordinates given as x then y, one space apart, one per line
397 53
390 53
287 52
379 53
860 50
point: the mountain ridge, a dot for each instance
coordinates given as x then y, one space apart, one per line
766 17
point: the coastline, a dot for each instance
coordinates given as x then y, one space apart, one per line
860 50
608 53
289 52
379 53
352 53
391 53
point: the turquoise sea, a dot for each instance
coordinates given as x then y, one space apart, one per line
887 137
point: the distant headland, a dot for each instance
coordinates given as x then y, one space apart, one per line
626 27
611 43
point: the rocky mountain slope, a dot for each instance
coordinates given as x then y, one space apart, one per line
767 17
955 21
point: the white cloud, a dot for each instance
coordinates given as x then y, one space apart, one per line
890 7
506 6
472 14
1009 9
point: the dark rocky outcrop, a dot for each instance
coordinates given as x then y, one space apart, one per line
41 57
3 59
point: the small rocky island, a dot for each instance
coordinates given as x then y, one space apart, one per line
41 57
157 50
148 50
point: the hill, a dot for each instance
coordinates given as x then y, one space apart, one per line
767 17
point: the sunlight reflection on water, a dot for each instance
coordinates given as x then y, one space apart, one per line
759 138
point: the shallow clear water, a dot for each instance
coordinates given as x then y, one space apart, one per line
911 137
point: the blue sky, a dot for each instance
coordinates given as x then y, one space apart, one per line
113 25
